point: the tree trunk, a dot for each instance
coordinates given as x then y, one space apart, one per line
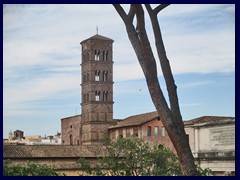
171 117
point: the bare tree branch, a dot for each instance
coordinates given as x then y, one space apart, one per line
159 8
131 13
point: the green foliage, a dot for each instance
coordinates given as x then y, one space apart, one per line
29 169
133 157
204 172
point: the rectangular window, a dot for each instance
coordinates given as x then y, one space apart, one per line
156 131
87 97
163 131
87 77
149 131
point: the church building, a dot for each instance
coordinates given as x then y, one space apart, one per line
97 94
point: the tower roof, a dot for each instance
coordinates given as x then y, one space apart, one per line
98 37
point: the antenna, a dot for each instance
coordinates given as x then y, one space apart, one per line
97 29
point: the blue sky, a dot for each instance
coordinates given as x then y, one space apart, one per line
41 57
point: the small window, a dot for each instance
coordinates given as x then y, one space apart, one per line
163 131
97 96
87 99
87 77
96 55
71 126
105 76
105 55
149 131
97 75
156 131
105 95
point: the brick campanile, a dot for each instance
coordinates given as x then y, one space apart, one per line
97 88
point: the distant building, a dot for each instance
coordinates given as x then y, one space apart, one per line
18 134
147 126
10 136
19 139
35 138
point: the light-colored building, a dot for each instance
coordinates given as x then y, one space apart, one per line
212 141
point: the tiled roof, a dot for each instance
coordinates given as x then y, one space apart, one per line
136 120
207 119
53 151
98 37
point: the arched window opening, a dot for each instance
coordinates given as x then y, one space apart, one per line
96 55
97 75
105 95
97 96
105 76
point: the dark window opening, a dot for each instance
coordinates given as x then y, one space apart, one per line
71 139
149 131
87 77
105 55
87 97
105 76
105 96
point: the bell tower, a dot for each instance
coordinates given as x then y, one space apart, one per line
97 88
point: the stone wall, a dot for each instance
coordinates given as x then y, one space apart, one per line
71 130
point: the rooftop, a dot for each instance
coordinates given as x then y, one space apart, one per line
209 120
98 37
136 120
53 151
